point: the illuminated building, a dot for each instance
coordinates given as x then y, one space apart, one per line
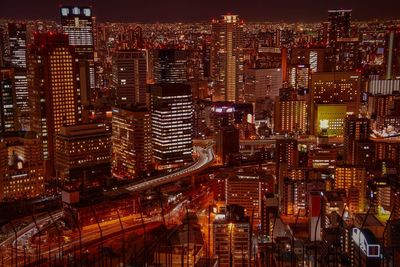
387 150
172 124
231 238
18 54
223 114
53 90
21 166
331 116
227 58
78 24
170 66
227 143
290 113
340 25
355 130
246 189
338 88
131 138
294 198
8 109
83 155
129 77
2 47
383 87
299 76
353 180
322 157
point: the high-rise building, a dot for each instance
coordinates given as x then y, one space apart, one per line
83 155
290 112
8 109
256 84
299 76
392 56
131 138
21 166
78 24
53 90
355 130
353 180
247 189
227 58
17 36
339 24
231 238
129 77
227 143
170 66
172 124
336 88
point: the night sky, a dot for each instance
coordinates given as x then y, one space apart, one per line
202 10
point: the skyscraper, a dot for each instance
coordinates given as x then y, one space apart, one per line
340 24
8 110
17 41
227 58
77 23
172 124
53 90
129 77
131 138
170 66
356 130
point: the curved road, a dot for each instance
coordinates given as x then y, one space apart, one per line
204 160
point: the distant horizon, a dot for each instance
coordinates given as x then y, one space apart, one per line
175 11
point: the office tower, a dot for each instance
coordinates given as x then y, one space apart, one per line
334 94
83 155
129 77
170 66
131 139
172 124
77 23
231 238
274 81
246 189
339 25
299 76
8 107
227 58
21 166
294 199
356 130
227 143
53 89
18 51
256 84
290 112
353 180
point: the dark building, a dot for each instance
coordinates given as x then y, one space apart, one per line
170 66
227 143
340 24
356 130
129 77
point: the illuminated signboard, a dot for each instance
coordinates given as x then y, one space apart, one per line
361 240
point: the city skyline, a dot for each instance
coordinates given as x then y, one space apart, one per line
202 11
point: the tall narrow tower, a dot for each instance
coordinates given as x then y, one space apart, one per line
227 58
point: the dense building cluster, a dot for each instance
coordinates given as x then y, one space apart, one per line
303 121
